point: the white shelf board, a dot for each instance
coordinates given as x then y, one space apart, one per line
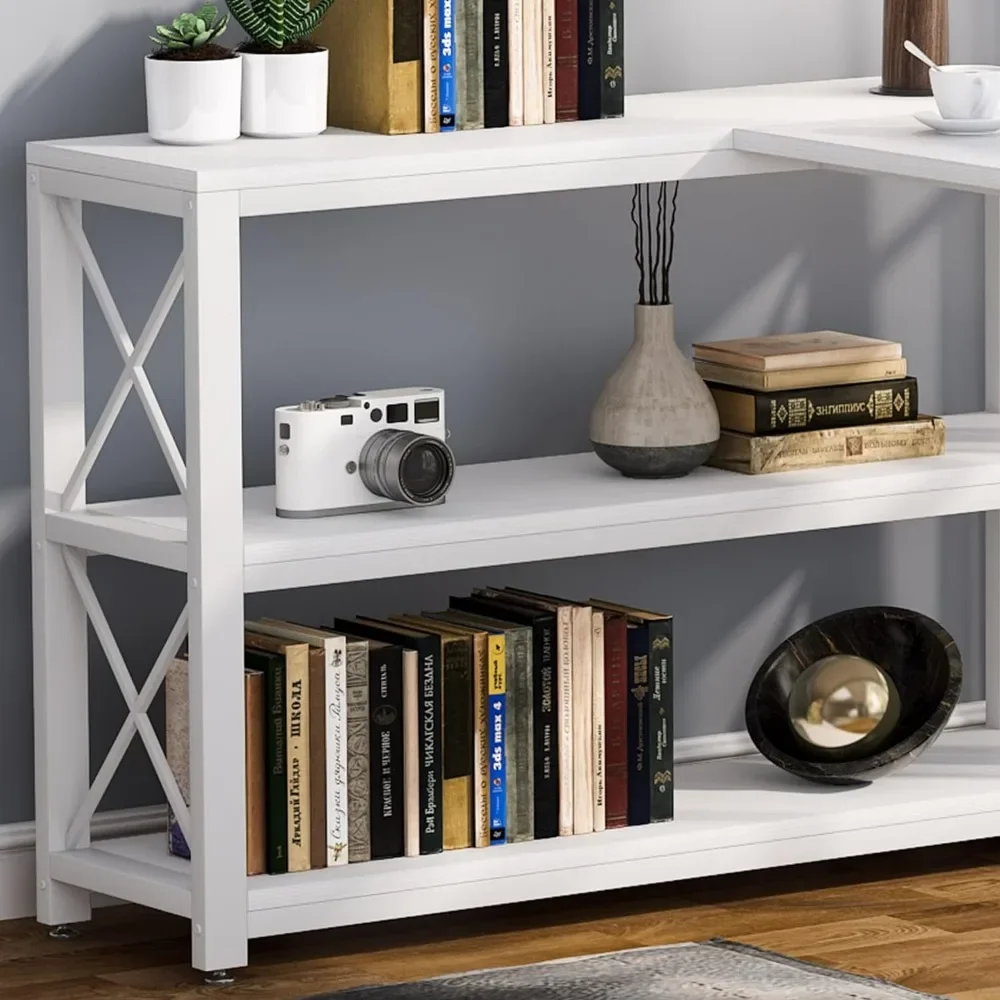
553 508
898 146
732 815
661 137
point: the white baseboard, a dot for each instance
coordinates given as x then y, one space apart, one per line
17 854
17 840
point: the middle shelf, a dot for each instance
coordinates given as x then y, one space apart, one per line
555 508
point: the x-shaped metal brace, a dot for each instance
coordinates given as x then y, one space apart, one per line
133 356
138 703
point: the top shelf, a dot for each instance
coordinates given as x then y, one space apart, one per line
661 137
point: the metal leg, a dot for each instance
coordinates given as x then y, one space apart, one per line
213 408
62 742
221 977
64 933
991 603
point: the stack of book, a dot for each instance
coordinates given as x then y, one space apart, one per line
401 66
509 716
802 400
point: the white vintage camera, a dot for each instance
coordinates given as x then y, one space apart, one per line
366 451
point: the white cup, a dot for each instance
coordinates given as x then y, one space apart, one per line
967 92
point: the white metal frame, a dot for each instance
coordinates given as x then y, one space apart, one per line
213 889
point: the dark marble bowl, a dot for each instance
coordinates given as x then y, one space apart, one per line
918 655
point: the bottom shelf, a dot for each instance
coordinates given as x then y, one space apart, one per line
732 815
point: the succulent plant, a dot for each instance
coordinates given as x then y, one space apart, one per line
192 31
277 23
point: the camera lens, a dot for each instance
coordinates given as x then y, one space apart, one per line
408 467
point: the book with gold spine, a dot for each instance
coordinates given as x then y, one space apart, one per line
815 409
432 93
376 64
746 453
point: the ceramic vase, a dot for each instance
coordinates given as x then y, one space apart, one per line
193 102
655 417
284 93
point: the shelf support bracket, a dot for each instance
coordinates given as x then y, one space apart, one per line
133 357
138 703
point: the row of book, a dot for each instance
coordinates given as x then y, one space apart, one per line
802 400
509 716
440 65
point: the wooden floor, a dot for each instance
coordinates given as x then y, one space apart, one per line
927 919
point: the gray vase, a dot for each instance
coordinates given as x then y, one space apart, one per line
655 417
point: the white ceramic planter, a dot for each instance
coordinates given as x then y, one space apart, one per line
193 102
284 95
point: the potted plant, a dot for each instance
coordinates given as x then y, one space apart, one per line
284 74
193 84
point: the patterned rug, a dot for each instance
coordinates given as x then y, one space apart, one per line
715 970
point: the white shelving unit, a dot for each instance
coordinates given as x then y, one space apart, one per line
733 813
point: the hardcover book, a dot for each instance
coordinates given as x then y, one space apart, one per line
458 742
599 715
546 695
178 750
822 408
480 726
496 71
548 61
801 378
567 61
447 84
533 65
298 790
411 753
328 731
376 72
589 61
564 633
515 62
612 43
359 830
783 351
921 438
431 67
428 649
616 695
481 712
650 718
469 63
497 695
273 667
385 693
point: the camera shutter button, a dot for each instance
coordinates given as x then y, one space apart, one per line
376 415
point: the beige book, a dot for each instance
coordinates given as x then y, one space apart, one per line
411 754
549 61
583 720
597 632
534 69
801 378
781 351
515 62
920 438
297 742
376 65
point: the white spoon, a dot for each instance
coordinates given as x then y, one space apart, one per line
920 54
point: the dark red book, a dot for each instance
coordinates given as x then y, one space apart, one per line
567 61
616 720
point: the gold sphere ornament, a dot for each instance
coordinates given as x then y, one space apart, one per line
840 700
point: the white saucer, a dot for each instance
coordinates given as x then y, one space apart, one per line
958 126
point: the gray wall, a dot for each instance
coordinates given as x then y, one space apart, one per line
536 314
